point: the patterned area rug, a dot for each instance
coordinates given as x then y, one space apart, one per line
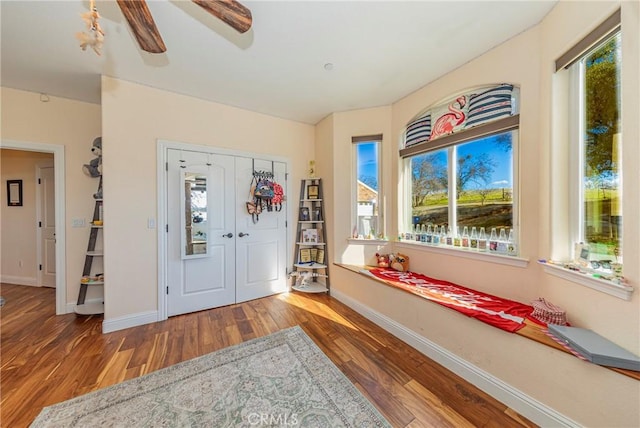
281 380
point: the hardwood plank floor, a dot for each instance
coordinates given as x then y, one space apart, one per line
46 358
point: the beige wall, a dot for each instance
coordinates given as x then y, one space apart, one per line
325 166
73 125
335 159
586 393
134 117
18 224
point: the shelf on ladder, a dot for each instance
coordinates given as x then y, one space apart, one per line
82 306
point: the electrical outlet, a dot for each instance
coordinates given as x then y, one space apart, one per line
77 222
19 263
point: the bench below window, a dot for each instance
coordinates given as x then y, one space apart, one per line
531 330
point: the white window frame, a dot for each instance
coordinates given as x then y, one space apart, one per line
576 149
354 183
575 225
452 164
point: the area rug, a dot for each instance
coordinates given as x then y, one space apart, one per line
281 380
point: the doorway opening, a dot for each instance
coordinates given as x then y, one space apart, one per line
53 253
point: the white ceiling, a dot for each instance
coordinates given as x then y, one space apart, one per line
380 50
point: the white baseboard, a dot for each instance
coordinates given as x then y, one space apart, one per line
19 280
501 391
71 307
128 321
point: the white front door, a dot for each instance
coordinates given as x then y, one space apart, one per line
235 259
261 250
47 226
201 241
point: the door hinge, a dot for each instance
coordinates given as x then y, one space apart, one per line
286 176
40 267
286 223
39 224
166 166
167 228
39 181
167 289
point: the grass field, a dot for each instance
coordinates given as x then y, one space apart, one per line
497 211
469 197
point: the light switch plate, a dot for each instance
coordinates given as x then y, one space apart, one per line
77 222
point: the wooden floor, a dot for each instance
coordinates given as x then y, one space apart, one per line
46 358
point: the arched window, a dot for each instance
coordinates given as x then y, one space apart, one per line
460 175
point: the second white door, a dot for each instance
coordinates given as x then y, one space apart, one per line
47 225
261 245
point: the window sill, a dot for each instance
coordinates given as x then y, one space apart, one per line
368 241
620 291
467 254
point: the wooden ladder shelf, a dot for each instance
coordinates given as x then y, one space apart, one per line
310 270
92 308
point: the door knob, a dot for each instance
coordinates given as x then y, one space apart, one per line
228 235
241 234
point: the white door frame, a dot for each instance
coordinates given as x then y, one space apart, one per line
59 171
162 147
39 212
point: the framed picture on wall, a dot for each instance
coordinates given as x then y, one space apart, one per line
14 193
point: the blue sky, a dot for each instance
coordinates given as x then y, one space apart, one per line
502 175
367 160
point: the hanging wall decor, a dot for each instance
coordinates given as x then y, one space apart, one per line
14 193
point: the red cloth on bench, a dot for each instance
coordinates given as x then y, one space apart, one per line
505 314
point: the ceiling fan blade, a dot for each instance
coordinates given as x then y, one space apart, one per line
229 11
141 22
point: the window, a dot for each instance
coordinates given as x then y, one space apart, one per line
459 172
597 134
463 191
368 224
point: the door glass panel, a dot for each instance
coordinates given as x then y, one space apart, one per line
195 214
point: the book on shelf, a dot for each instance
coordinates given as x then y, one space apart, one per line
311 255
305 255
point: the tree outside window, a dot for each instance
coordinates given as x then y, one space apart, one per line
601 145
482 195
